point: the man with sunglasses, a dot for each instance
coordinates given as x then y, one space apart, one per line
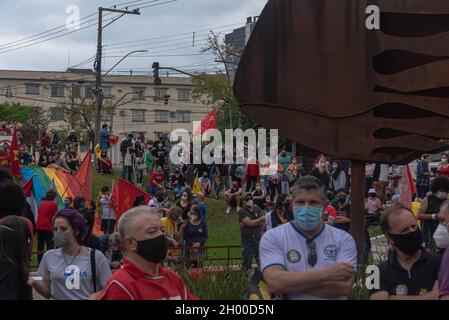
251 221
307 259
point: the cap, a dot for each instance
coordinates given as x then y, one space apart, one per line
246 196
396 197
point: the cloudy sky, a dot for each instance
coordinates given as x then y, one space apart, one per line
165 29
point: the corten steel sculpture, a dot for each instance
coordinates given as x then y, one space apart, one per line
315 71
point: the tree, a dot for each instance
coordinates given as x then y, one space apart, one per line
31 120
14 113
216 89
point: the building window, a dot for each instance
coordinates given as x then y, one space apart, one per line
8 92
138 93
161 115
107 92
88 92
57 114
76 92
184 94
106 115
138 116
32 88
160 93
57 90
183 116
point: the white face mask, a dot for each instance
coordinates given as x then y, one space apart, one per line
441 236
441 195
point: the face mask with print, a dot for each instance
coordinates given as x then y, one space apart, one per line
308 218
61 239
441 195
441 236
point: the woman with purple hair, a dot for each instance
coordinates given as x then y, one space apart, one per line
71 271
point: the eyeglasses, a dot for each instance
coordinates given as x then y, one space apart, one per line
311 257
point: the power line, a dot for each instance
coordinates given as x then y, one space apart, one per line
16 45
190 33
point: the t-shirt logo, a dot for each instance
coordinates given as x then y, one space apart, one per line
293 256
330 251
401 290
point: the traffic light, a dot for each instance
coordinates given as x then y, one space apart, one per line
166 98
157 80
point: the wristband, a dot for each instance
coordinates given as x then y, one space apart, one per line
434 216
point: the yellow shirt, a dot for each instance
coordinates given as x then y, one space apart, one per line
415 208
171 230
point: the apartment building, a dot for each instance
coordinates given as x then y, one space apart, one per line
141 107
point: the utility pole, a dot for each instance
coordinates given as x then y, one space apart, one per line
98 92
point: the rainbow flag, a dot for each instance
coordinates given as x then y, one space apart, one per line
64 183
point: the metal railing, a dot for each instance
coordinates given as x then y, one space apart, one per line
212 255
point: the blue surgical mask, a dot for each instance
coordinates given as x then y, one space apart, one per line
308 218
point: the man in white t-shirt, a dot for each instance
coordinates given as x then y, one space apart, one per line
107 212
307 259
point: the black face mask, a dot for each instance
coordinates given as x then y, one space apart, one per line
408 243
153 250
287 205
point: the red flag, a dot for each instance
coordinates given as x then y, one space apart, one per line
28 187
114 195
84 178
127 195
14 152
408 188
209 122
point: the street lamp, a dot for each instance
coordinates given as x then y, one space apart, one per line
128 54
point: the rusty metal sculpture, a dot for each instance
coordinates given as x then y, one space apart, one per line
315 71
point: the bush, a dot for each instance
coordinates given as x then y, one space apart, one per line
210 284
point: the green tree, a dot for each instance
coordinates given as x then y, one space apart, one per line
32 120
14 113
216 89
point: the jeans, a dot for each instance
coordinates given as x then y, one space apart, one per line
139 176
251 183
250 251
178 190
151 190
44 237
273 188
422 190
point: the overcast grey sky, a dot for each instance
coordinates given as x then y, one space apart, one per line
173 23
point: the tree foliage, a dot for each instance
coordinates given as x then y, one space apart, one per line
216 89
14 113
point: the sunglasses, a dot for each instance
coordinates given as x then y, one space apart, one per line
312 256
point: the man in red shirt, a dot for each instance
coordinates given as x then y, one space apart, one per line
252 174
155 183
47 210
142 277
